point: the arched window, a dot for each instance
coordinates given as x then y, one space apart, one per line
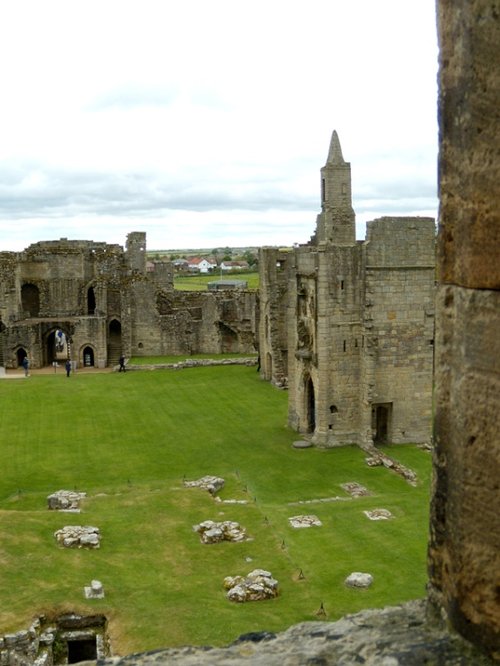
30 300
91 301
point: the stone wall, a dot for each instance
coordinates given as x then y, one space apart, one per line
464 549
399 322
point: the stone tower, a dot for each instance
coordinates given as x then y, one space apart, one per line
336 222
354 321
136 251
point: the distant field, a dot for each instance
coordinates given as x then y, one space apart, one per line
199 282
129 440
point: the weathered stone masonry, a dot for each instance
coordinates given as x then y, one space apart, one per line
101 301
464 548
349 326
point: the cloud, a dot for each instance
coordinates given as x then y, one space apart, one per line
133 97
183 117
50 193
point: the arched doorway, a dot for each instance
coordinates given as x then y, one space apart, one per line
57 347
30 299
114 342
310 405
88 357
21 354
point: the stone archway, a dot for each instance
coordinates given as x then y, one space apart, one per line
21 354
88 357
57 348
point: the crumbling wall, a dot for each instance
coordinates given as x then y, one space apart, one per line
110 301
274 274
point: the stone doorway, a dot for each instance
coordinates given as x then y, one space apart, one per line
20 356
381 422
80 638
114 342
57 347
88 357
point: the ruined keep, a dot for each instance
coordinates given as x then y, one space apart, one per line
348 325
91 302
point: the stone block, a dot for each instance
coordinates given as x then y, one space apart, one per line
358 579
77 536
95 590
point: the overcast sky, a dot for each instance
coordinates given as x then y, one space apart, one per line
205 122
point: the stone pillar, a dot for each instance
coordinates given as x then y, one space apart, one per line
464 547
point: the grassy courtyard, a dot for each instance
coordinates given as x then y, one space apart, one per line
129 440
199 282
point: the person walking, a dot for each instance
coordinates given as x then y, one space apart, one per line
122 364
68 368
26 365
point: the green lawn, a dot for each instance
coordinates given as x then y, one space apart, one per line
199 282
159 360
129 440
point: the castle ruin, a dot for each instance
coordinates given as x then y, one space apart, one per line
348 325
92 302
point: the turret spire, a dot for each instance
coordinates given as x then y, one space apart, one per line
335 151
336 222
